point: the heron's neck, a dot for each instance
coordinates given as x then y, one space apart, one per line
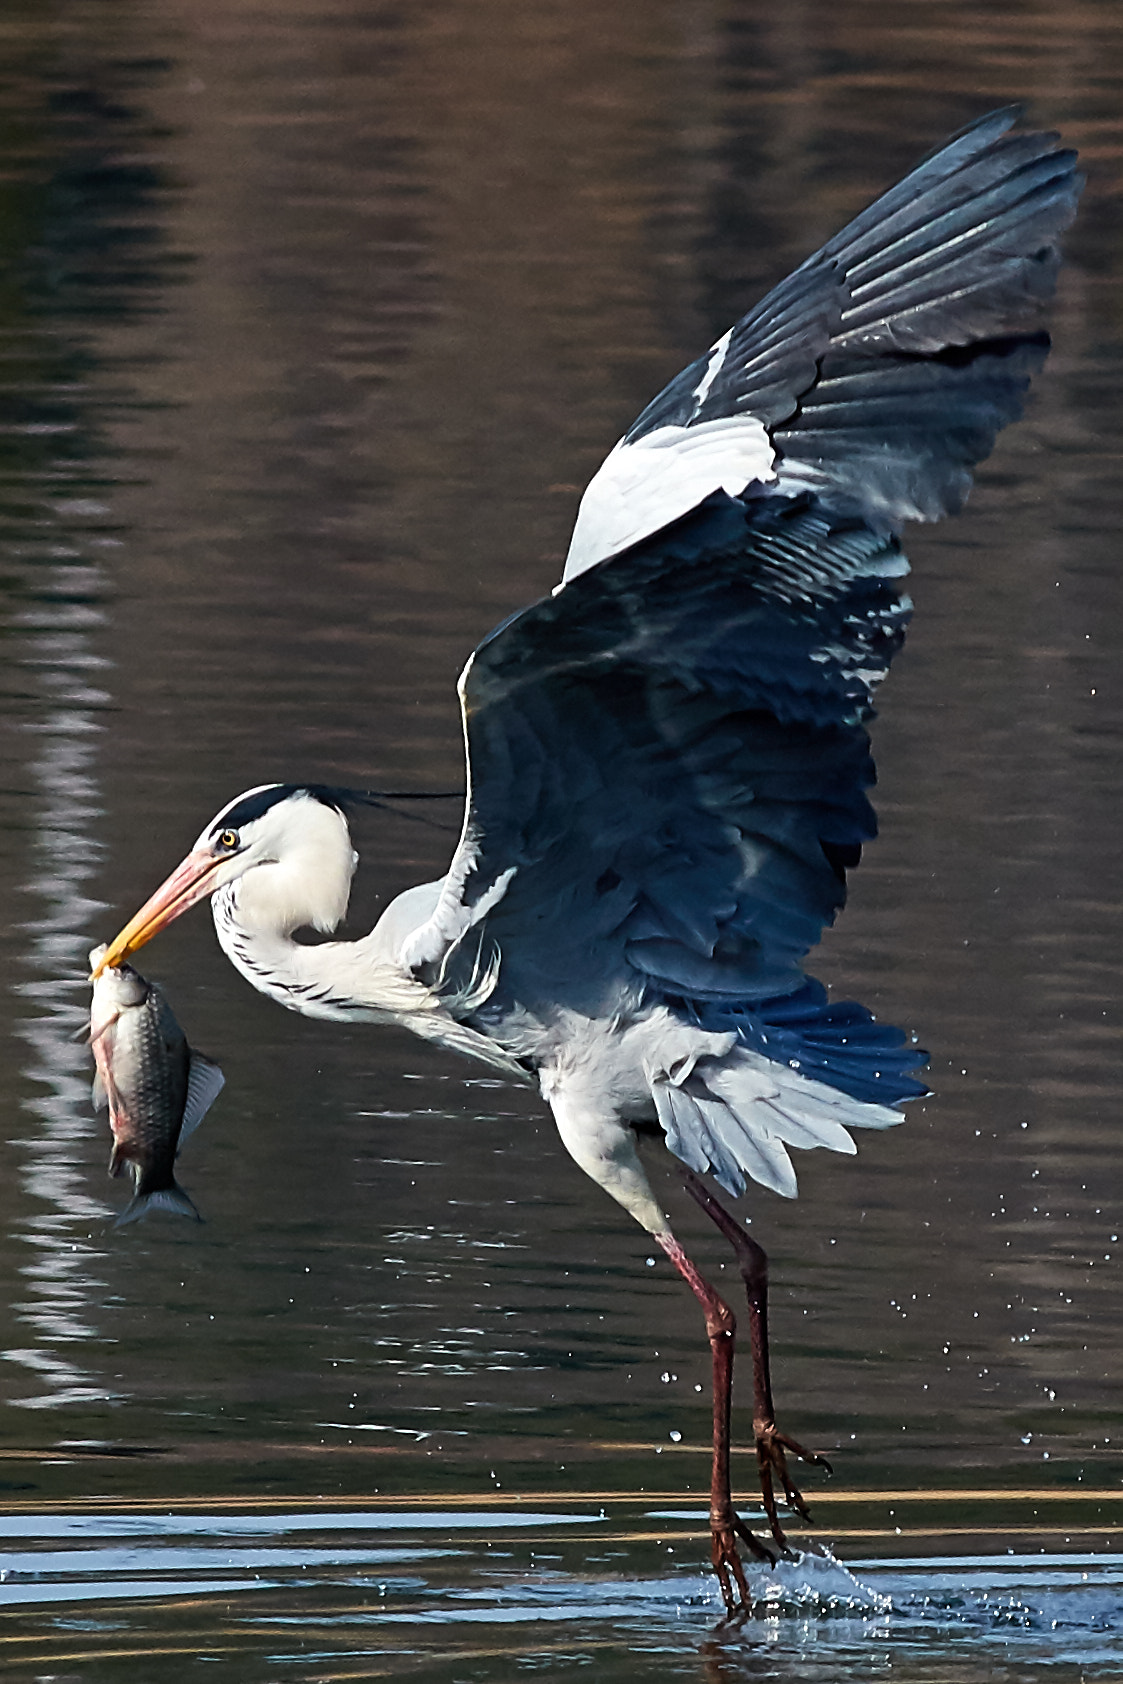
348 982
343 981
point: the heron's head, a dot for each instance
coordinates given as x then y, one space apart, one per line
285 846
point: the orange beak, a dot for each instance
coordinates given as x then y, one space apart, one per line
189 883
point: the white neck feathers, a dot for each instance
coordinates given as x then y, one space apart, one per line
305 881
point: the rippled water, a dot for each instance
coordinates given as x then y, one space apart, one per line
312 323
465 1594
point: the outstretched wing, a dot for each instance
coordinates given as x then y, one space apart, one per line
880 372
669 760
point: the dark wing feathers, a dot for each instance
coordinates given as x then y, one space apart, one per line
672 753
772 357
973 265
838 1042
959 257
898 440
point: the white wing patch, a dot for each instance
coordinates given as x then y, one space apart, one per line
640 488
713 368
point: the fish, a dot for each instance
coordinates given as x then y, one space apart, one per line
156 1088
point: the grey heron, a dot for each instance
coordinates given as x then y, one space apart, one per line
668 756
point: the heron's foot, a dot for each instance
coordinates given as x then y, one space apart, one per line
772 1450
726 1529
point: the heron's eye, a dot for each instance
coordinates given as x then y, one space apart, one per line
228 839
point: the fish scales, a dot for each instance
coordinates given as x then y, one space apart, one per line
156 1088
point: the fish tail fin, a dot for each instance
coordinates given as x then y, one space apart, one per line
171 1198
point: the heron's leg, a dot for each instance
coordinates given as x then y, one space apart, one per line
605 1148
771 1443
726 1526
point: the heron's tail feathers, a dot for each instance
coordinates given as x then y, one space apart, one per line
803 1073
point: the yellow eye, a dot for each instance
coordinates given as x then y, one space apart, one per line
228 839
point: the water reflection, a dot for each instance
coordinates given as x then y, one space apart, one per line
62 1285
80 246
361 1597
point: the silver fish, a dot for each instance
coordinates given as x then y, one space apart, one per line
156 1088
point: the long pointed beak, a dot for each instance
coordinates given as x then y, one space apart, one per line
190 882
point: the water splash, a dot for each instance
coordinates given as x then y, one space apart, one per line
813 1582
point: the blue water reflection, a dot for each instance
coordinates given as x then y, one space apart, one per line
83 247
262 1525
1045 1610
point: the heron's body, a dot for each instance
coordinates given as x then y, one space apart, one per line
668 756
